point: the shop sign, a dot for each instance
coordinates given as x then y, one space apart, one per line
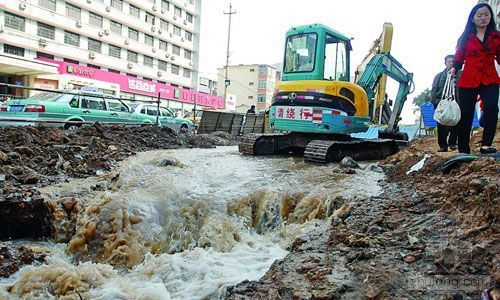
137 85
79 71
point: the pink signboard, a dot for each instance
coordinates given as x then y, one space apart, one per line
139 86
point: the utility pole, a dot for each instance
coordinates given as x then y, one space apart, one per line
226 80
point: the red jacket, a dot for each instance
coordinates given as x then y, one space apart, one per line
479 62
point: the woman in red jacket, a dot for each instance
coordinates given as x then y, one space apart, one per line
477 49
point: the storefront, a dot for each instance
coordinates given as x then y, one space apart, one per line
132 87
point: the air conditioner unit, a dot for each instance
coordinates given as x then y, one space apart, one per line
108 8
100 33
160 31
89 1
185 4
191 63
154 50
175 17
162 10
126 42
130 65
153 28
159 74
171 34
22 6
2 29
155 8
185 22
172 58
167 55
42 42
91 55
78 23
106 31
182 39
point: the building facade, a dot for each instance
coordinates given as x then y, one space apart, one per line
137 49
249 85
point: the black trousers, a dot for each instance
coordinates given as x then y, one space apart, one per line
467 98
447 135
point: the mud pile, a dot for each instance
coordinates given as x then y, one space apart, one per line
428 236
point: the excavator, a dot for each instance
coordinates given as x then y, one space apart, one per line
315 108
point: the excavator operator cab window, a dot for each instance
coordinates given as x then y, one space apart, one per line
300 54
336 64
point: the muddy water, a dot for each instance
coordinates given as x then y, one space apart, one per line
182 224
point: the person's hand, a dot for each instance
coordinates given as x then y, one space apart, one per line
452 72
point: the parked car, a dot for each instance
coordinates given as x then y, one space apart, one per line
146 113
194 118
68 110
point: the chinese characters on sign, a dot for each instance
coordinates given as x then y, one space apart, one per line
138 85
294 113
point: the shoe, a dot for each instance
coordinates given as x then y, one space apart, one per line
443 150
453 148
487 149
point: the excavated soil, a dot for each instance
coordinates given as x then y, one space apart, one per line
428 236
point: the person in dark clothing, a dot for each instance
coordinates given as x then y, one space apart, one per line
251 110
478 47
447 135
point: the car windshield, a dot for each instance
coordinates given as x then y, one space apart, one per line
47 96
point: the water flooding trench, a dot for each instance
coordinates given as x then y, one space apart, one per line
182 224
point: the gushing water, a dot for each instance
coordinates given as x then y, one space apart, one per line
181 224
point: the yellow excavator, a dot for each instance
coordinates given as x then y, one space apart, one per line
316 108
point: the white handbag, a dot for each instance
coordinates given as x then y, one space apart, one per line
448 111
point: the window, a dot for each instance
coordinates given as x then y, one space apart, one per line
113 71
177 12
132 56
163 45
93 66
95 45
48 4
252 70
189 36
71 38
300 53
262 84
148 39
117 4
176 50
250 97
46 31
45 55
164 25
177 31
133 34
165 5
162 65
131 75
262 70
95 20
335 59
13 50
115 27
187 73
14 21
166 112
114 105
91 102
73 11
187 54
152 110
71 61
148 61
251 83
115 51
134 11
261 98
150 19
175 69
189 17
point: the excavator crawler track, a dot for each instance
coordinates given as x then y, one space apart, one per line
260 144
325 151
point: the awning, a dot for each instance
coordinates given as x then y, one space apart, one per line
14 65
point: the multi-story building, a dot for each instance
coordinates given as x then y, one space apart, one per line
250 84
138 49
207 85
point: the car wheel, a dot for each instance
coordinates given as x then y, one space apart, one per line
72 126
184 128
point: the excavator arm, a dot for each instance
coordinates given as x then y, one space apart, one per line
385 64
